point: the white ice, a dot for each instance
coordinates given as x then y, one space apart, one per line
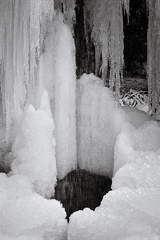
99 120
140 145
135 116
34 148
58 68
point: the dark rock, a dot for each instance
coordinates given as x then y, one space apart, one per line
81 189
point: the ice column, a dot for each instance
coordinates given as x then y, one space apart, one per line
58 69
98 123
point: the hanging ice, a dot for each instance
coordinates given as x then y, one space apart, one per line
34 148
21 47
105 19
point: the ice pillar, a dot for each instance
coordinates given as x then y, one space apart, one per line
98 123
58 70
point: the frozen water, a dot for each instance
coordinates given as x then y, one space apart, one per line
123 214
34 148
135 116
140 145
135 175
21 48
105 21
58 69
25 215
98 122
132 209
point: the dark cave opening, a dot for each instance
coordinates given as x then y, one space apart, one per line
81 189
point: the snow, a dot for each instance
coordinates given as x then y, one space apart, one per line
98 123
123 214
58 69
25 215
140 145
34 148
135 175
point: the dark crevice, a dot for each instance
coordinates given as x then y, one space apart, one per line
81 189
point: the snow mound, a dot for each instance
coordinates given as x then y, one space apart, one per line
140 145
34 148
123 214
27 215
135 175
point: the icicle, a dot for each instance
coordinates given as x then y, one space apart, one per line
126 7
25 27
106 21
67 7
154 55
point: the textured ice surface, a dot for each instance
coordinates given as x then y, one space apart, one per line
24 24
135 175
140 145
98 122
34 148
58 69
123 214
25 215
135 116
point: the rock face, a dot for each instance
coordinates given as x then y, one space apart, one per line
81 189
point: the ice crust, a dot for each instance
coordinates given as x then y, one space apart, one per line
98 123
34 148
25 215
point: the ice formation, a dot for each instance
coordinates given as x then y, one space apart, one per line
140 145
21 46
38 51
132 209
34 148
58 69
105 18
153 56
136 117
68 10
25 215
124 214
99 120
